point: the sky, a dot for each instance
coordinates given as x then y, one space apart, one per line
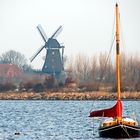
87 26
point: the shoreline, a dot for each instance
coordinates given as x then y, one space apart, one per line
68 96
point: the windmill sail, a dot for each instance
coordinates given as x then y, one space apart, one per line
57 32
54 58
42 33
39 50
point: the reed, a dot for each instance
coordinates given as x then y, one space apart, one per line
68 96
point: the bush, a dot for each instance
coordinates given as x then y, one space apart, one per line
7 87
137 87
38 88
69 80
49 82
27 86
61 84
89 86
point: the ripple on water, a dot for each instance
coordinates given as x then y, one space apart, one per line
53 120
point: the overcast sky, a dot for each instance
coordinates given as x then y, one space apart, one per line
87 25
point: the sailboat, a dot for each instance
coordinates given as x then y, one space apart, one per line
117 126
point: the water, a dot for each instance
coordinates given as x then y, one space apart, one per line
54 120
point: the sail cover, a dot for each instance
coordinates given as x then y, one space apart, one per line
115 111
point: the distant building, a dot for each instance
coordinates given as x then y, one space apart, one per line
10 71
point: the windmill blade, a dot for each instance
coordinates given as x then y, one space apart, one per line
39 50
57 32
42 33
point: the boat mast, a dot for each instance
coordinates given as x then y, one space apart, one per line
117 52
116 110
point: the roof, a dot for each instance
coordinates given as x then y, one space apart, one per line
10 70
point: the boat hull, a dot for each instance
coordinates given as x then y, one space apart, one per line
119 131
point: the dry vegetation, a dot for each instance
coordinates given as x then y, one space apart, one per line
87 78
98 73
68 96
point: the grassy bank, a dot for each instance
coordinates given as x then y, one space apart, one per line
68 96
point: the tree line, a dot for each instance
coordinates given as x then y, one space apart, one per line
88 72
96 73
14 57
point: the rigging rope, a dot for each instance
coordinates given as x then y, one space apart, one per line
108 56
104 68
110 50
102 74
122 37
125 130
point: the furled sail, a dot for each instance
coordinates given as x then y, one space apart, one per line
115 111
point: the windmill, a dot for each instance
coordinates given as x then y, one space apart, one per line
54 57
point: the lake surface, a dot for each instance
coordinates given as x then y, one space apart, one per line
54 120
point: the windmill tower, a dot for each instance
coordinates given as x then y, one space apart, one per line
54 53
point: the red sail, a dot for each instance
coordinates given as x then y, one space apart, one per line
115 111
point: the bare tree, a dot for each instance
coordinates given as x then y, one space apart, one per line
85 68
132 72
93 68
109 72
137 74
13 57
102 65
82 67
70 67
91 72
78 67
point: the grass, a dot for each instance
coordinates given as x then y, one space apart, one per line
68 96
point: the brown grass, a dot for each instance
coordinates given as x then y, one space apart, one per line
68 96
